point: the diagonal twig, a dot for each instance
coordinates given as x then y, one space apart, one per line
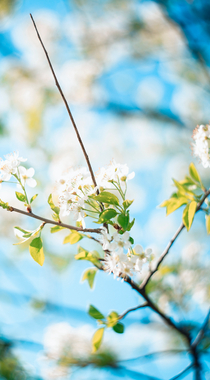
49 221
133 309
201 333
67 106
182 373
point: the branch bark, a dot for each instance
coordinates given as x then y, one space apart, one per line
49 221
133 309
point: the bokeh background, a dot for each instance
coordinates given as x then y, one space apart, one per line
136 75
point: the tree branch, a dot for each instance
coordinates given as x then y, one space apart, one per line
201 333
66 104
165 252
151 354
49 221
180 375
133 309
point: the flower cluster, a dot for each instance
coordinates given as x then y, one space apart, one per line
119 263
201 146
11 167
73 189
76 186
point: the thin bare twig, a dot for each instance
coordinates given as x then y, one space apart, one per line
165 252
156 353
201 333
49 221
133 309
182 373
66 104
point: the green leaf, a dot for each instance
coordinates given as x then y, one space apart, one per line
21 197
208 224
107 215
106 197
131 240
97 339
56 229
89 275
130 225
193 173
123 220
95 313
73 238
112 319
188 214
4 205
33 198
36 250
127 203
89 256
52 206
183 189
119 328
175 203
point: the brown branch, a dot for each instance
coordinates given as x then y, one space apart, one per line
49 221
133 309
165 252
150 303
66 104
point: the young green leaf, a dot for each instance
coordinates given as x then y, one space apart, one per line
4 205
193 173
36 250
112 319
97 339
208 224
123 220
118 328
89 275
95 313
52 206
127 203
188 214
106 197
56 229
33 198
93 256
21 197
175 203
130 225
107 215
73 238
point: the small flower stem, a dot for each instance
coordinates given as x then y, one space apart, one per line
23 188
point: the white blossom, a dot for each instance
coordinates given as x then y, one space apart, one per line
26 176
114 172
120 242
201 146
9 166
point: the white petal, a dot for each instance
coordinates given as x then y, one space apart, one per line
31 182
138 249
131 175
30 172
22 170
